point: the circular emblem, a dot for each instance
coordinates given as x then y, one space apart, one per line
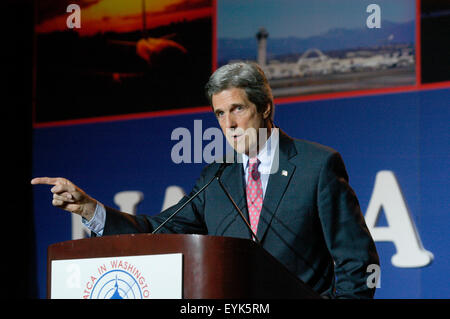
116 284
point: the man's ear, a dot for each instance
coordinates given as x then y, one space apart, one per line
266 113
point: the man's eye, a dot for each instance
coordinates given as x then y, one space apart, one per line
219 114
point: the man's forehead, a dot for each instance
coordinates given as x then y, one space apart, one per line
229 97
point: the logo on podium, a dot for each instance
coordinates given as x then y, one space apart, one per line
118 279
125 277
116 284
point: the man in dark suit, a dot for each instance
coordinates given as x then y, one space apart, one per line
294 194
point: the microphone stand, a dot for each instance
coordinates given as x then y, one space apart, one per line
182 206
216 176
239 211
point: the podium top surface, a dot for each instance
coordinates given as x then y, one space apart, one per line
139 244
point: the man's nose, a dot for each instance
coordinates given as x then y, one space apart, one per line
230 121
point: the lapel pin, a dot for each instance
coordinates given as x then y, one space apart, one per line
284 173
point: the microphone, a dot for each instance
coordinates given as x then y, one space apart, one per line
221 169
238 210
216 176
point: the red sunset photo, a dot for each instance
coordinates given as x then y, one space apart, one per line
120 56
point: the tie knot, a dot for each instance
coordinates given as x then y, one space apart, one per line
253 160
253 167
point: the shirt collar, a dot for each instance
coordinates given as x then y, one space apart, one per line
265 155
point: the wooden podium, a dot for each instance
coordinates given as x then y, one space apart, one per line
213 267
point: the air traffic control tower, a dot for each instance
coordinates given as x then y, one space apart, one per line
262 36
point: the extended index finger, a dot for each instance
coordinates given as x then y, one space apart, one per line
46 180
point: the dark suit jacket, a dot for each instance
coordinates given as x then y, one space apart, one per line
310 221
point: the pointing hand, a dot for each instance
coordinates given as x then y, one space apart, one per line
68 196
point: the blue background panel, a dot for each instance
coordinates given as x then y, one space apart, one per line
407 133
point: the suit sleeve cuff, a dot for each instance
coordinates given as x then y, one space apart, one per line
97 223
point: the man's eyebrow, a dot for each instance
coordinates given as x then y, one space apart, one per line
234 105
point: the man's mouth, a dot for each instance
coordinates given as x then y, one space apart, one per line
235 137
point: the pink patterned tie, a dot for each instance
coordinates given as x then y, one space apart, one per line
254 193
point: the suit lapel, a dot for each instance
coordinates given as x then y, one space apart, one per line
278 183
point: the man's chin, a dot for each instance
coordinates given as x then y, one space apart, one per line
241 149
238 147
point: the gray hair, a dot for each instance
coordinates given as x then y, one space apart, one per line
244 75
